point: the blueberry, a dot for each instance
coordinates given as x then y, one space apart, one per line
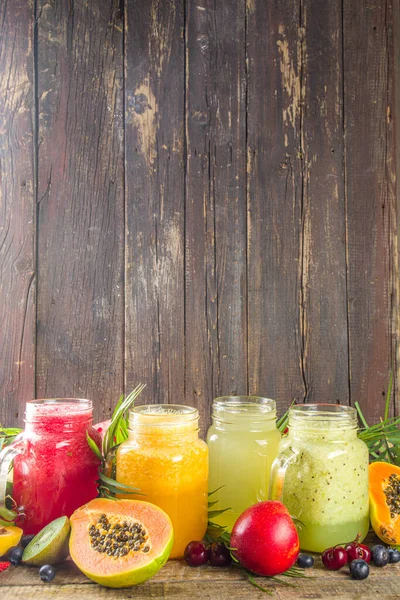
380 555
26 539
47 573
359 569
394 555
15 555
305 561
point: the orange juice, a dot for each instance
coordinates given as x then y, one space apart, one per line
167 461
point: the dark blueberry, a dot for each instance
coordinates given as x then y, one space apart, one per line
359 569
380 555
305 561
394 555
15 555
26 539
47 573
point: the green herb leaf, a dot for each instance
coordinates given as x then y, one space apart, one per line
93 447
117 432
121 486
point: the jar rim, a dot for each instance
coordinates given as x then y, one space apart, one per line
320 411
239 404
80 403
44 409
162 415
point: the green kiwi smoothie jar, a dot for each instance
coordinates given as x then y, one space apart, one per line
321 475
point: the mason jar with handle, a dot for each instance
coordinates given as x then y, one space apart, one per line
55 471
243 442
321 475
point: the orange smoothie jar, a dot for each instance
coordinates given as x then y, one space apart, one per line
167 461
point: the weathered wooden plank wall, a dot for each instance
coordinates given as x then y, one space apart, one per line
199 195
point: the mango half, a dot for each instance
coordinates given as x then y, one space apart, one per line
120 543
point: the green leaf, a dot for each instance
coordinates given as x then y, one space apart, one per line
117 432
93 447
388 395
216 513
257 585
119 488
8 515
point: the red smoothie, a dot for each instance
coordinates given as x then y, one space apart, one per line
56 471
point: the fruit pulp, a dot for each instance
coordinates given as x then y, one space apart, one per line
326 487
56 471
241 455
169 464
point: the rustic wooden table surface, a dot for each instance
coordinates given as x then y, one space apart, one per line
177 580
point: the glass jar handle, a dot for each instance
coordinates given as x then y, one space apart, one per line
7 455
278 472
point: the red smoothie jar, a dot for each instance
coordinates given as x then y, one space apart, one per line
55 471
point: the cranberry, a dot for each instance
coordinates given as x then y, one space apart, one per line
357 551
220 555
334 558
196 554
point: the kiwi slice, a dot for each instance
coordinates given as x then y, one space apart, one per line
50 545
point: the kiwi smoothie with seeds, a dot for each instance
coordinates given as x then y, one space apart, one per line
321 475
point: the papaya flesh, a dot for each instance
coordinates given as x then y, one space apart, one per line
120 543
384 498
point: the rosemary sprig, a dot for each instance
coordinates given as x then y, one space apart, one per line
116 433
216 532
383 438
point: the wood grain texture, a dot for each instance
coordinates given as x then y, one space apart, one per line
177 580
324 284
370 199
80 202
216 302
275 204
230 168
394 61
17 211
154 101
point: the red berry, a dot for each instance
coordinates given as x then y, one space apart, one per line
334 558
4 566
220 556
357 551
196 554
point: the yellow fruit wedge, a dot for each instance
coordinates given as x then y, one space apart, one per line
9 537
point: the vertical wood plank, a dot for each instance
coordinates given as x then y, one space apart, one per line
275 201
394 90
17 211
81 201
324 285
216 295
368 72
154 102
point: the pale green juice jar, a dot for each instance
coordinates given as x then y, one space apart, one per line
321 475
243 443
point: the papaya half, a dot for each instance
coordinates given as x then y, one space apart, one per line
384 498
120 543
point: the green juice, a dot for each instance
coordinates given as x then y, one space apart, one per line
243 443
326 484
